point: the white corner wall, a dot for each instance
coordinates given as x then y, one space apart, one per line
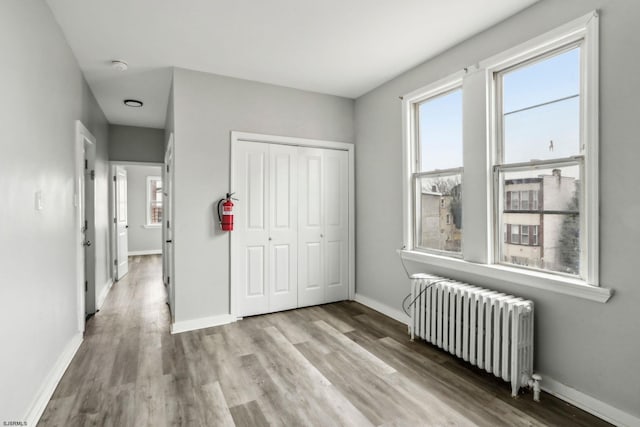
586 349
206 109
43 93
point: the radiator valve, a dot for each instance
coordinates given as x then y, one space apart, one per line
534 383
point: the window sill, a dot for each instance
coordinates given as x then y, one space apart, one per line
533 279
152 226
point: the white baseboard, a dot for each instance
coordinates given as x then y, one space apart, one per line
589 404
103 294
149 252
50 383
204 322
383 308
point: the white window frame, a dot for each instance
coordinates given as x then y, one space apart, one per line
411 158
482 264
582 32
148 223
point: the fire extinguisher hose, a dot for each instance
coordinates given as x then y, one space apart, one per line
219 215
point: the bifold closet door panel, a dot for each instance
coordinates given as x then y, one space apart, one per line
311 271
251 228
283 228
336 225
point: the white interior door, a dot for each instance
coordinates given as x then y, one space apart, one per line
167 251
311 273
283 228
88 230
336 225
122 232
290 246
251 228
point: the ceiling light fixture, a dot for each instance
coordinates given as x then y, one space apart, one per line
133 103
119 65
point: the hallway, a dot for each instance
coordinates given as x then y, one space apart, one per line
337 364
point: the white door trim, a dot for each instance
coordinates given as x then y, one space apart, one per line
302 142
168 270
82 136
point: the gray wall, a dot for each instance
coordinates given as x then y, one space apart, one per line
588 346
207 108
141 238
136 144
43 93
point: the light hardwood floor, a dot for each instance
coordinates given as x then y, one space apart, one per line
337 364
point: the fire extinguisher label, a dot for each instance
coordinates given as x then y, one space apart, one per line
227 213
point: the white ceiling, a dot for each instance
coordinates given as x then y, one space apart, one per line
339 47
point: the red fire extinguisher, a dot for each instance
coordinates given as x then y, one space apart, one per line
226 215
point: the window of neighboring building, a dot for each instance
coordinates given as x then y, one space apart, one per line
524 200
154 201
534 200
524 236
515 200
437 175
534 235
515 234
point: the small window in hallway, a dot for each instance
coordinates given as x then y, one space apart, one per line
154 200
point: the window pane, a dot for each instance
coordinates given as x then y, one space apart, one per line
542 81
155 200
541 109
549 238
440 213
440 132
548 132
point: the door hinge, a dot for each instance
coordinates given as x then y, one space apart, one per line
115 221
114 178
86 164
93 174
86 225
167 168
115 262
168 224
168 280
86 286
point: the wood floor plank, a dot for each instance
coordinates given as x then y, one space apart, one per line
336 364
213 406
248 415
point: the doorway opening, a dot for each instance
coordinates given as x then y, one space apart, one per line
137 207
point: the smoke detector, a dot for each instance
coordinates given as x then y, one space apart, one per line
119 65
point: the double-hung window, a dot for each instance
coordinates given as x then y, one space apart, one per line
154 201
436 129
544 158
530 119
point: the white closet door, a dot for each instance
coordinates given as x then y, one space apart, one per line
311 271
251 224
336 225
283 228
